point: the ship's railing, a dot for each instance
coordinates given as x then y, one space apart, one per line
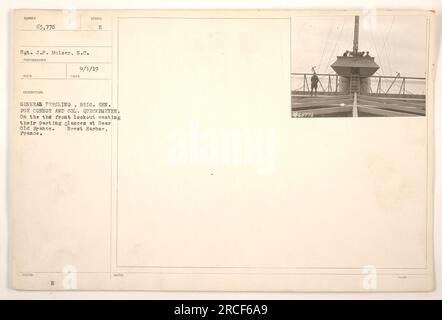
398 85
379 85
328 82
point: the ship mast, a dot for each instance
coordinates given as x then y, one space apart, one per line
356 36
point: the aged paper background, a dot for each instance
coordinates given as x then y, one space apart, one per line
355 207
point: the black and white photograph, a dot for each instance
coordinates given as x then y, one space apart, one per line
358 66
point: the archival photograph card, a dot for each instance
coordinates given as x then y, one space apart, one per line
222 150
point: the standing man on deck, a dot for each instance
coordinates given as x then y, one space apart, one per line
314 83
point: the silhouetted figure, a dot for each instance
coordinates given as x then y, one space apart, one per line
345 53
367 54
314 83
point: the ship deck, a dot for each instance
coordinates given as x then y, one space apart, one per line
336 104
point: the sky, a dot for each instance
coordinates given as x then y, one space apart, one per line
398 43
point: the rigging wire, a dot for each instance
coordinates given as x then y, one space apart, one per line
387 53
385 43
336 42
326 43
381 69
